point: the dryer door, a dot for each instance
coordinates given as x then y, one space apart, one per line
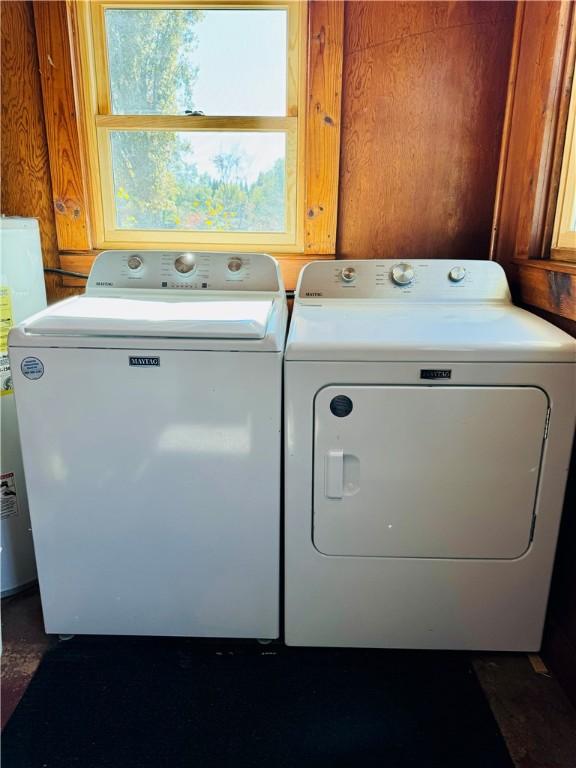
437 472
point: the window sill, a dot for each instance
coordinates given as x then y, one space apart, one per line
548 284
564 255
290 266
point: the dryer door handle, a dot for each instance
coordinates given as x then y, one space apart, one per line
334 474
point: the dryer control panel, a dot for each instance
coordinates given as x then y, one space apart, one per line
410 280
183 271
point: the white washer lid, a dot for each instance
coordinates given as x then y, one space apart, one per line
143 317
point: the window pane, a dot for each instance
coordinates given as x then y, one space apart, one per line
201 181
220 62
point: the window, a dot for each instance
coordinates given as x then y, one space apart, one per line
564 238
193 122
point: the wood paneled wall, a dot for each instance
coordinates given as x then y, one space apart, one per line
424 88
424 95
26 188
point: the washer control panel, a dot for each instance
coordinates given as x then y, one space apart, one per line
183 271
416 280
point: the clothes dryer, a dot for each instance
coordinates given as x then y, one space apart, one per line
428 426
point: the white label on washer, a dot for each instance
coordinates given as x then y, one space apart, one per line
8 498
32 368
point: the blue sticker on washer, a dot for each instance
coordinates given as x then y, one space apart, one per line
32 368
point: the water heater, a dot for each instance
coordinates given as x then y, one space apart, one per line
22 293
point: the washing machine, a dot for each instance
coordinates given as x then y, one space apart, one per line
428 427
150 418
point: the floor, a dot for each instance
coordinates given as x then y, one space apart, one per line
535 717
23 645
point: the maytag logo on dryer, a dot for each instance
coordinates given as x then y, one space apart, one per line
435 373
104 283
313 293
144 362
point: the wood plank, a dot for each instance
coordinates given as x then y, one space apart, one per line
26 188
370 25
323 117
423 106
552 290
507 126
290 266
66 165
548 265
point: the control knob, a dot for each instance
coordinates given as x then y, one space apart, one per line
402 274
348 274
185 263
135 262
456 274
235 264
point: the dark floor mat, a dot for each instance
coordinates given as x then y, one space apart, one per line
148 703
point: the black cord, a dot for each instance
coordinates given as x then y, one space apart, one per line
65 272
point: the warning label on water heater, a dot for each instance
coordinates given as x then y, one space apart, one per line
5 325
8 497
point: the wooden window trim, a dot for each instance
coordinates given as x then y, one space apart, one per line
99 121
57 39
548 285
533 140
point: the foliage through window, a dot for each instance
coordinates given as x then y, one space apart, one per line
193 114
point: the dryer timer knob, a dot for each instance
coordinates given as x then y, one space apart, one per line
348 274
456 274
402 274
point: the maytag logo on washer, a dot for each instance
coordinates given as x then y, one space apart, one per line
144 362
435 373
